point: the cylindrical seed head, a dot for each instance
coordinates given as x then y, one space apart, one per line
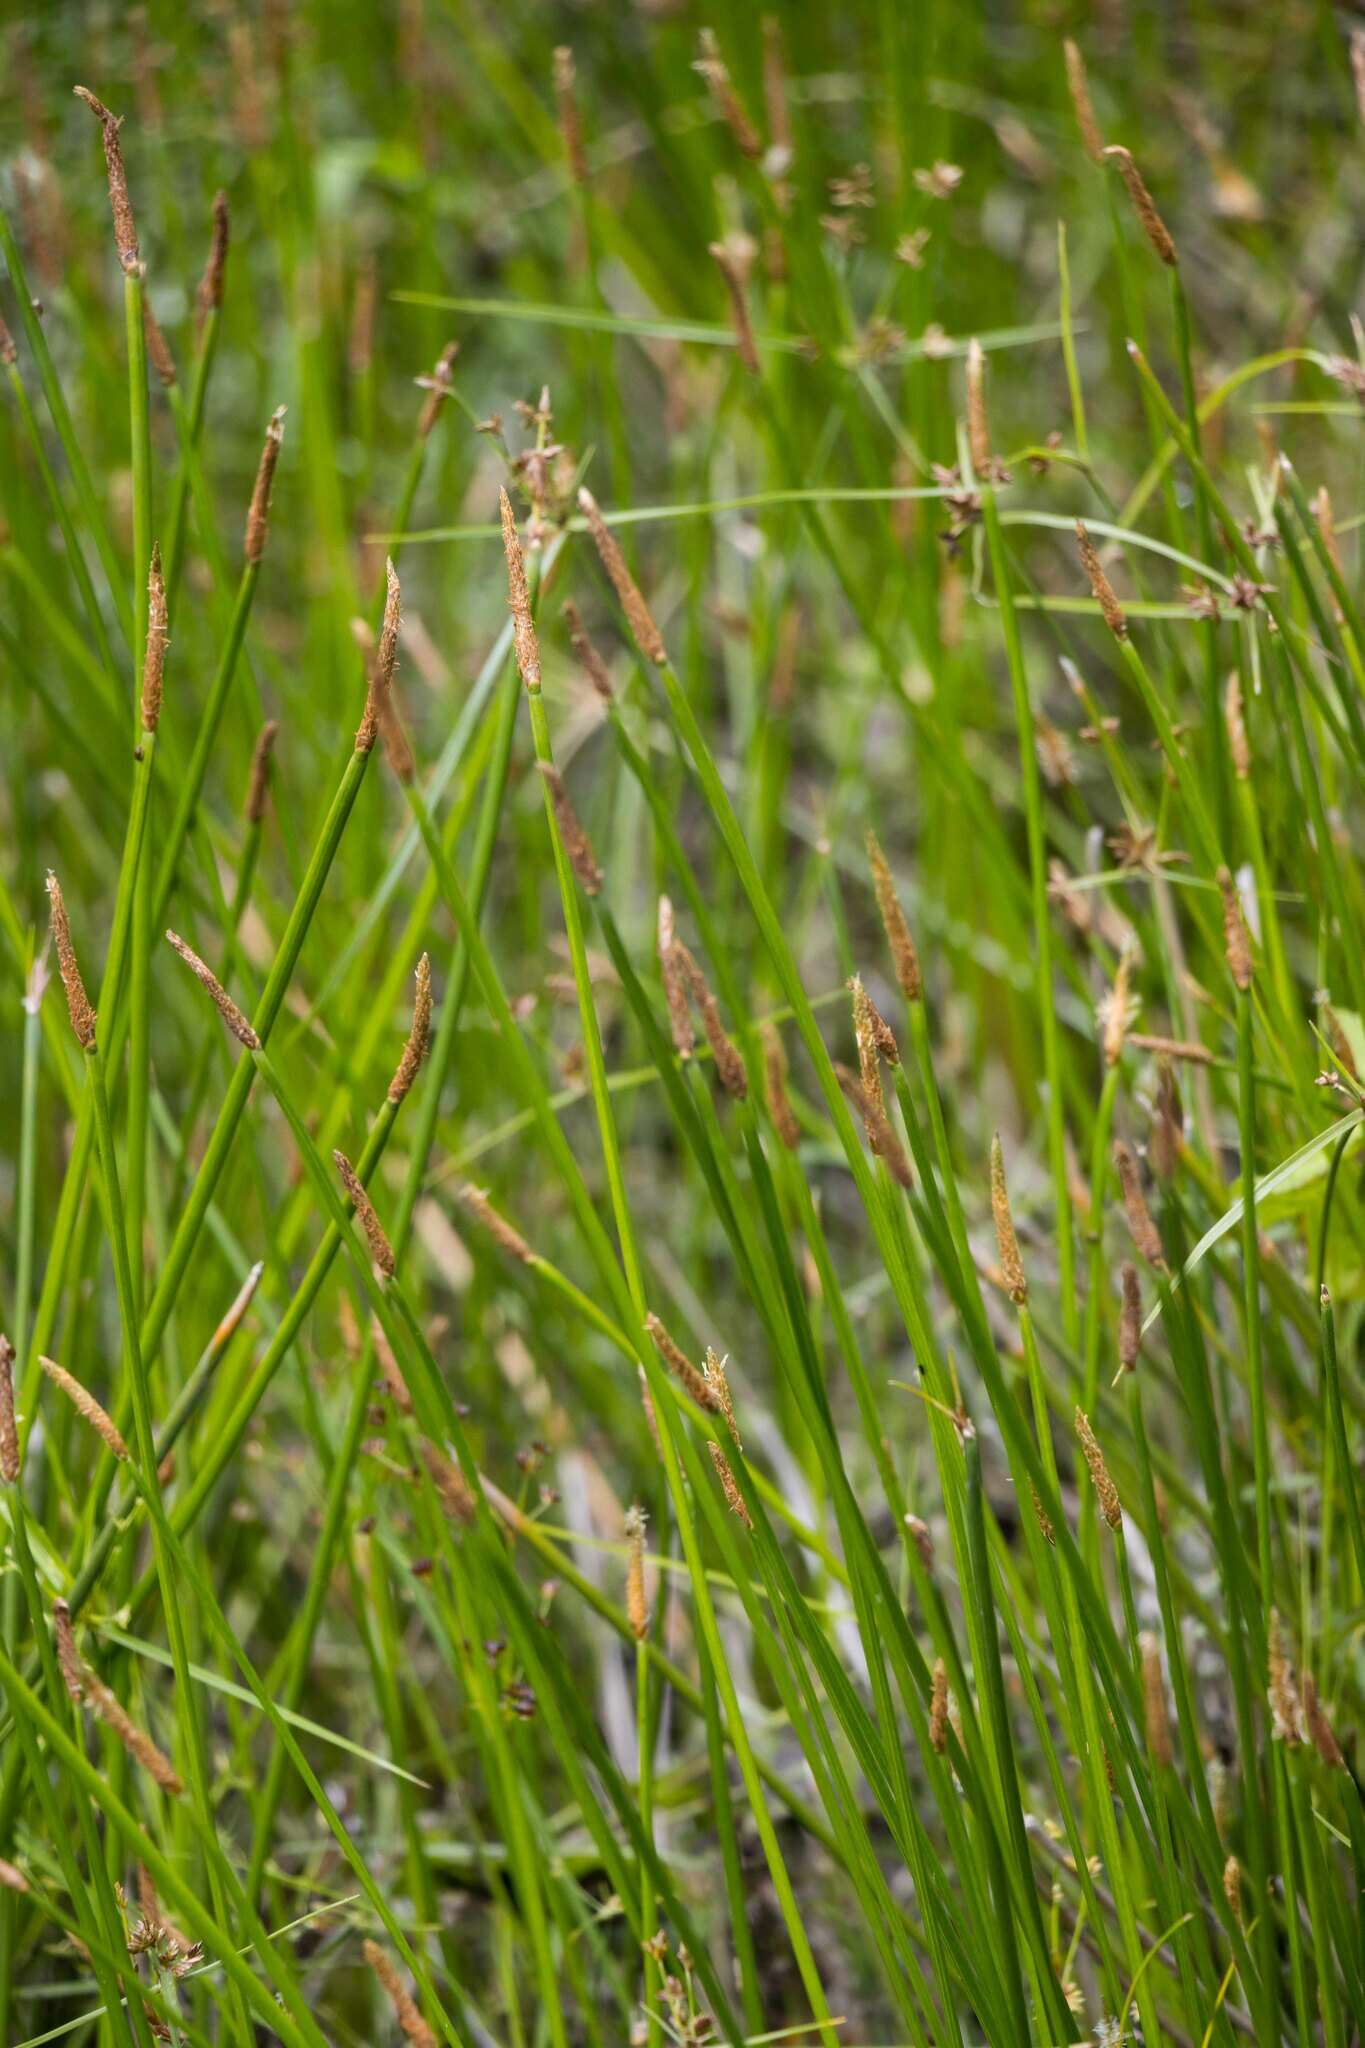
1145 1234
637 1609
1154 1701
77 1002
693 1381
498 1228
713 69
208 296
258 784
85 1404
125 231
1234 717
237 1022
381 1251
645 633
9 1434
1078 85
258 512
1320 1732
904 958
589 659
577 846
1105 1489
1130 1317
570 126
154 661
1153 226
438 387
775 1089
1011 1265
519 600
384 665
978 427
734 1499
729 1065
411 2025
736 287
1110 609
415 1050
1236 943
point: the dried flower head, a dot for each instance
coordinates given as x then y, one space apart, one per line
1167 1135
718 1379
258 782
1239 746
385 663
1110 609
209 295
938 1708
675 983
775 1089
1153 226
1286 1709
9 1434
1115 1011
922 1538
1145 1234
645 633
1011 1265
729 1065
1232 1886
904 958
411 2025
237 1023
711 66
8 352
1107 1492
84 1684
437 387
577 846
881 1138
452 1488
498 1228
125 231
589 659
381 1251
734 275
158 348
570 126
1078 85
1319 1728
734 1499
519 600
154 660
978 429
637 1609
1236 944
1130 1317
1154 1701
77 1002
694 1382
258 512
85 1404
415 1050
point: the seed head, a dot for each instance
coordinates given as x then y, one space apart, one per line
415 1051
712 68
645 633
1145 1234
1043 1517
1319 1727
158 348
1078 85
881 1138
209 295
237 1023
1168 1123
729 1065
904 958
1154 1701
9 1434
577 846
1236 944
1130 1317
570 126
1327 529
154 662
675 983
923 1540
84 1684
1110 609
258 783
938 1708
637 1610
734 1499
1232 1886
694 1383
1239 746
1105 1488
385 663
77 1002
1011 1265
1286 1710
717 1379
411 2025
452 1488
775 1089
737 289
437 387
258 512
1153 226
498 1228
381 1251
125 231
8 352
519 600
1114 1011
85 1404
978 427
590 661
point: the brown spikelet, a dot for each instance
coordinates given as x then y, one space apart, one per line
577 846
125 231
519 600
1011 1265
1167 1136
737 290
258 512
237 1023
1130 1317
775 1089
570 125
498 1228
938 1708
978 427
1173 1048
415 1050
1078 85
718 1379
1154 1701
734 1499
258 783
923 1540
1319 1727
452 1488
11 1877
397 746
881 1139
77 1001
84 1684
1327 529
869 1051
385 663
1110 609
904 958
390 1370
154 661
1105 1489
411 2025
694 1383
675 983
644 632
68 1656
9 1434
1232 1886
8 352
1114 1011
637 1610
883 1036
712 67
158 348
647 1403
1286 1711
1153 226
1236 943
85 1404
381 1251
1341 1044
1239 746
208 296
1145 1234
589 659
1043 1517
438 387
729 1065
